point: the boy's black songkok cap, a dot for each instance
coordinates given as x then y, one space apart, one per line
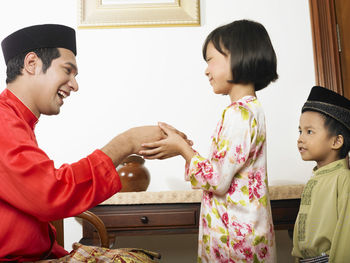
39 36
330 103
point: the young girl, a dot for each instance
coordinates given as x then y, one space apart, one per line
235 222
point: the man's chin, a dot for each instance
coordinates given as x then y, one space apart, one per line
53 112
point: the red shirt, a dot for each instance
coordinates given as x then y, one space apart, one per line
33 192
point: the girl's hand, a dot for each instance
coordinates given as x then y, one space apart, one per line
176 143
184 136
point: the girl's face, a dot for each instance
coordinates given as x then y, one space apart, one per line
315 143
218 70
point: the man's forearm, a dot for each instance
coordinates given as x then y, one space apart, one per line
119 147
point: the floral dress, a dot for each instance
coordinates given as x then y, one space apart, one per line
235 221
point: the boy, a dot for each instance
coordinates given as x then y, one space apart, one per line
322 228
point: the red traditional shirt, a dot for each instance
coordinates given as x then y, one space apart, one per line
33 192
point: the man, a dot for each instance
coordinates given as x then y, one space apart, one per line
41 71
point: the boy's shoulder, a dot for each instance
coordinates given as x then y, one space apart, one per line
344 179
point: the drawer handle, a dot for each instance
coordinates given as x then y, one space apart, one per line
144 219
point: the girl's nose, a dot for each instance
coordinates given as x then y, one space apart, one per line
206 71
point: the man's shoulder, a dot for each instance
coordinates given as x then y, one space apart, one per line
5 108
10 116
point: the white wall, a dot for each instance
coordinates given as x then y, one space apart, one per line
138 76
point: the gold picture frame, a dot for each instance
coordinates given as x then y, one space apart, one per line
137 13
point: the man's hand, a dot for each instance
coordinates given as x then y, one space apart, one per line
144 134
129 142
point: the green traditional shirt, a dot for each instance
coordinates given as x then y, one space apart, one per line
323 222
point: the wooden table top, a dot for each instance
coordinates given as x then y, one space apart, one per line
277 192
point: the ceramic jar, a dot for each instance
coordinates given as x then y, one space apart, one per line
133 174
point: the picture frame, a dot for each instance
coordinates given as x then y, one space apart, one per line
137 13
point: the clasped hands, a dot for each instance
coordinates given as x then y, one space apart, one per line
173 143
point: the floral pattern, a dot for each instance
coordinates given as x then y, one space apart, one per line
92 254
235 221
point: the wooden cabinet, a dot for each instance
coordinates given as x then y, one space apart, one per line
175 218
284 213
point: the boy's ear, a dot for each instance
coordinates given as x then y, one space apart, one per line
338 142
30 63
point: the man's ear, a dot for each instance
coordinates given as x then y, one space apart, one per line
31 63
338 142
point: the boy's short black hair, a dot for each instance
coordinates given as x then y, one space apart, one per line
253 59
15 65
335 128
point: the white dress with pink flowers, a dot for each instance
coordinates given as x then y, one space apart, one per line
235 222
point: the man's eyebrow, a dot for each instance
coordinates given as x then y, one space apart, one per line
73 66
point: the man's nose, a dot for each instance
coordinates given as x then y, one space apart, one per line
73 84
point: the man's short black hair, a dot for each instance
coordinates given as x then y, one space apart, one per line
253 59
15 64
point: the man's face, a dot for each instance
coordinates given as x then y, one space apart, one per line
56 84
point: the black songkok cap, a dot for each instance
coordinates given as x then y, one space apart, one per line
330 103
39 36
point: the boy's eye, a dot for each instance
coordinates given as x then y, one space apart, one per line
309 132
299 131
68 70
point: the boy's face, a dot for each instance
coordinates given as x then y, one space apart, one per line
55 84
315 142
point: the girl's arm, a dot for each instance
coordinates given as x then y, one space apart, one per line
231 147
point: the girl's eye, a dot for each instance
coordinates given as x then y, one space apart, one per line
309 132
299 131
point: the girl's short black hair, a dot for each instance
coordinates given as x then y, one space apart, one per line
253 59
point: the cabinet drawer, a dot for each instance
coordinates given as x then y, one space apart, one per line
156 219
148 216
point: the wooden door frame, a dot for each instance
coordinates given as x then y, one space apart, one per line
325 44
